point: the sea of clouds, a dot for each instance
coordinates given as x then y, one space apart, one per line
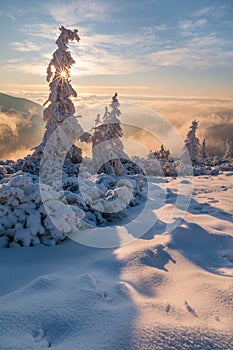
19 132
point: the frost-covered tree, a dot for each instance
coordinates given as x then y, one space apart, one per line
204 152
97 120
107 148
192 143
113 124
98 135
228 149
60 105
163 154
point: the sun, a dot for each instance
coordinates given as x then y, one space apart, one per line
63 74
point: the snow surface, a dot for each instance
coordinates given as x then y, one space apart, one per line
164 291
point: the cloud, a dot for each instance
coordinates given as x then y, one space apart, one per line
21 127
17 135
44 31
215 116
10 15
199 52
171 57
95 54
212 11
104 63
191 27
32 67
217 135
25 46
7 14
187 43
191 24
80 11
131 52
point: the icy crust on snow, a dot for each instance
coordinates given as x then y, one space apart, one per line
27 220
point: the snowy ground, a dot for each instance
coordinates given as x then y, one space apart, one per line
164 291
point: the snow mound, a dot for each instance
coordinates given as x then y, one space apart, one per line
64 309
31 214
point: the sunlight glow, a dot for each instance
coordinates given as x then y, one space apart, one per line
63 74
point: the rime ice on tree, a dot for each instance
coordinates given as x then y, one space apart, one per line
192 143
61 106
107 148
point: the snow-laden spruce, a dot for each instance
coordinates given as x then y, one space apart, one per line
107 148
192 143
61 106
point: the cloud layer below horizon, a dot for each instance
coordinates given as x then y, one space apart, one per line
214 116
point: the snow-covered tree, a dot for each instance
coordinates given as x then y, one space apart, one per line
192 143
97 120
204 152
228 149
61 106
163 154
98 135
107 148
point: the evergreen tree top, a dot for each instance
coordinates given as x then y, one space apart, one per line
66 36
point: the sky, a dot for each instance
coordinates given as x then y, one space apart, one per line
174 57
144 48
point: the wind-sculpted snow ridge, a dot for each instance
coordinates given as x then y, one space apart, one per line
25 222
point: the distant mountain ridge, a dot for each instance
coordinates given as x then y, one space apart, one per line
18 104
21 126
